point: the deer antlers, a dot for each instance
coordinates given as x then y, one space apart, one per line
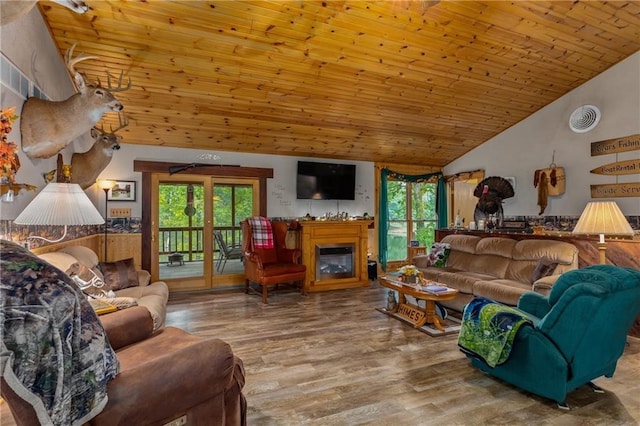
123 122
118 88
70 63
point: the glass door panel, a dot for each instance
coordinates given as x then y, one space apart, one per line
233 201
182 231
180 226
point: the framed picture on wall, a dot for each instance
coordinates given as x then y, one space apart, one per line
123 190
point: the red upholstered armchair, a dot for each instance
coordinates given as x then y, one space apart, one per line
268 261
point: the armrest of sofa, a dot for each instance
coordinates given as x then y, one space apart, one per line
127 326
544 284
167 374
144 277
421 261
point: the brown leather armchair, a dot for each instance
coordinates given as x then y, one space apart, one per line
163 376
271 266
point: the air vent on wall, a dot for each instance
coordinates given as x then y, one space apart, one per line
584 118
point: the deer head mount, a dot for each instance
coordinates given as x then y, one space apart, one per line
47 127
10 10
87 166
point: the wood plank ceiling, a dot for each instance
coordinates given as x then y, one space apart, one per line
414 82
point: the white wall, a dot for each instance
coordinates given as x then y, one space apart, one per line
529 145
281 190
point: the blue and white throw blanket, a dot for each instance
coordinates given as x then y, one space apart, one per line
488 330
54 352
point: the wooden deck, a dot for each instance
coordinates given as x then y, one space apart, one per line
194 269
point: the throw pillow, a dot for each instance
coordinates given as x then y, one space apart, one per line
544 268
120 274
439 254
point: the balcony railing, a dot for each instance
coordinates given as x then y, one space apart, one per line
189 241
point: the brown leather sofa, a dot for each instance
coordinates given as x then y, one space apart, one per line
164 375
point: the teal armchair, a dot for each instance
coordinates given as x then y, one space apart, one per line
579 332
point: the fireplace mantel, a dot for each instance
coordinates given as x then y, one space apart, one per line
322 233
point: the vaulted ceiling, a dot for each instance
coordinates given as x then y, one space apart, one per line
418 82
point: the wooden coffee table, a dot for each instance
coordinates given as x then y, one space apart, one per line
414 314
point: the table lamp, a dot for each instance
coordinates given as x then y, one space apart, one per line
59 204
602 218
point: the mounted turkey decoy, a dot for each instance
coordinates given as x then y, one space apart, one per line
490 192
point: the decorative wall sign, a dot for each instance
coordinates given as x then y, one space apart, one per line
630 189
628 167
612 146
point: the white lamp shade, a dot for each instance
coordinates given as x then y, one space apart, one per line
603 217
60 204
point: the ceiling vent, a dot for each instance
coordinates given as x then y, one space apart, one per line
584 118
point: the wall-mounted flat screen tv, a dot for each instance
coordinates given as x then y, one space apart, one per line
325 181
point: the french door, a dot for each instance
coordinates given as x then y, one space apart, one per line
186 211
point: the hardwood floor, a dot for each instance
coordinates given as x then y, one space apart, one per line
332 359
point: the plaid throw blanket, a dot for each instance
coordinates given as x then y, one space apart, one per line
488 330
261 232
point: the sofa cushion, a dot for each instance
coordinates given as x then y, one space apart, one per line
154 297
65 262
527 253
556 251
496 246
493 256
120 274
87 258
502 290
462 243
462 280
84 255
460 260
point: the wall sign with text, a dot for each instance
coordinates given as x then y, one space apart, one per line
631 189
626 167
612 146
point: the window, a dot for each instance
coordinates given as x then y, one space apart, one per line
412 216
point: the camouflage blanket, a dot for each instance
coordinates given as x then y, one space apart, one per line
54 351
488 330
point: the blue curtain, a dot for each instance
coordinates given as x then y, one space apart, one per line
383 208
